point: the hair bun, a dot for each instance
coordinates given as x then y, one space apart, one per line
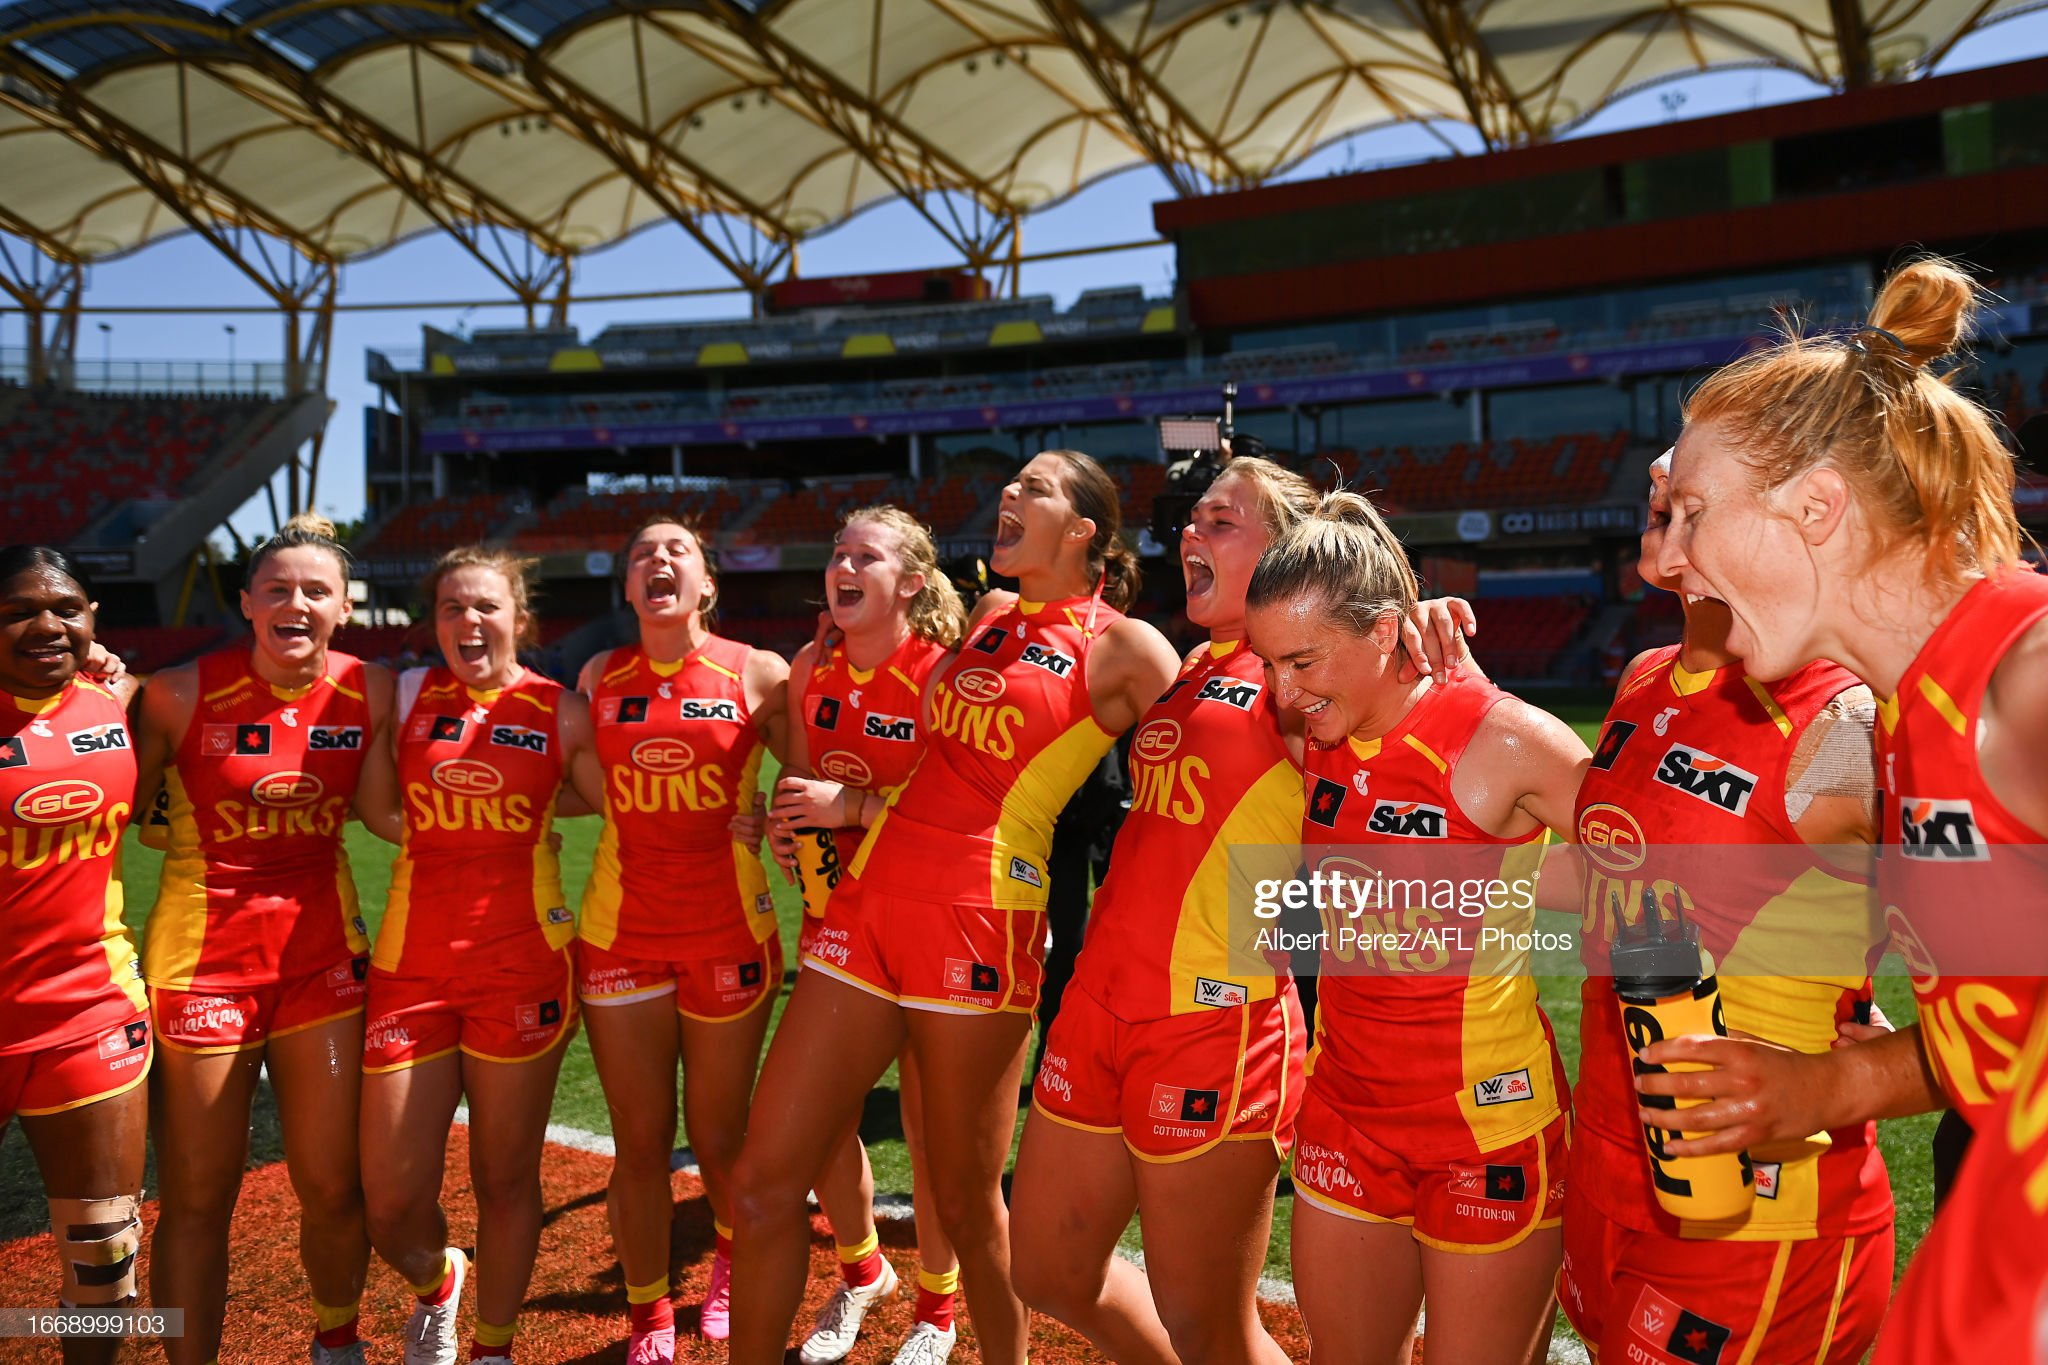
1346 508
1926 308
310 523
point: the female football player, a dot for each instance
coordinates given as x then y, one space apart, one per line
679 957
854 729
1429 1155
74 1039
935 936
255 952
1748 807
1846 503
472 990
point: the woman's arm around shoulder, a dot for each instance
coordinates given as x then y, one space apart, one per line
163 712
1521 770
1127 670
582 773
376 800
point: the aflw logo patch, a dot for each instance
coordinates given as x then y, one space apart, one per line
1506 1088
99 739
1231 692
901 729
1699 774
1407 820
1943 831
1218 994
1051 660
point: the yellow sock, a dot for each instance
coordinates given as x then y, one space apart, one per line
854 1255
491 1334
647 1293
935 1282
721 1229
330 1316
433 1286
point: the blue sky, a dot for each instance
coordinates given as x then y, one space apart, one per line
185 271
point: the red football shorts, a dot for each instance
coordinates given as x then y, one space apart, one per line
1473 1202
930 955
1175 1087
1650 1298
221 1021
713 989
75 1073
498 1016
806 935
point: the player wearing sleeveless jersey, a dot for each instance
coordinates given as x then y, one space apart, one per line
1847 504
855 732
936 937
678 956
1978 1286
1429 1156
1172 1073
472 991
1804 1275
255 952
74 1038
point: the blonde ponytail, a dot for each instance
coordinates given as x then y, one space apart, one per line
1346 557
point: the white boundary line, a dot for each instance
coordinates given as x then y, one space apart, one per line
895 1208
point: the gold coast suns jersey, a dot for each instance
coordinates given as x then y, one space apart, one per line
1686 797
256 885
1209 773
1428 1036
863 727
477 883
1012 737
67 781
681 757
1961 891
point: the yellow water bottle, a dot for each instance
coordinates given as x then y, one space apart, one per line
817 868
1666 988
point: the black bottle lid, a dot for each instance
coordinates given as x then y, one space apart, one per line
1653 959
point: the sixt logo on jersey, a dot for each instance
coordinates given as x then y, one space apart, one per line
1715 781
1940 831
1050 659
1231 692
98 739
1406 820
710 708
900 729
321 738
520 737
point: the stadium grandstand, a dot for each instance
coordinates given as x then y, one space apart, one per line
1497 378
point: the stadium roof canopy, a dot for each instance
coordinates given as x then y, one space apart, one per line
533 130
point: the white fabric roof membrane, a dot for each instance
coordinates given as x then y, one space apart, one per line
344 127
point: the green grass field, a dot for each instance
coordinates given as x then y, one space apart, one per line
579 1102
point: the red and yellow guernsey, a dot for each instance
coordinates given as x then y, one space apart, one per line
67 781
1959 899
476 884
1209 772
1428 1037
256 886
1012 737
681 757
1975 1287
862 727
1686 797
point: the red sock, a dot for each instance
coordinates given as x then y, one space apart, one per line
859 1274
936 1309
440 1295
723 1241
659 1316
335 1337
